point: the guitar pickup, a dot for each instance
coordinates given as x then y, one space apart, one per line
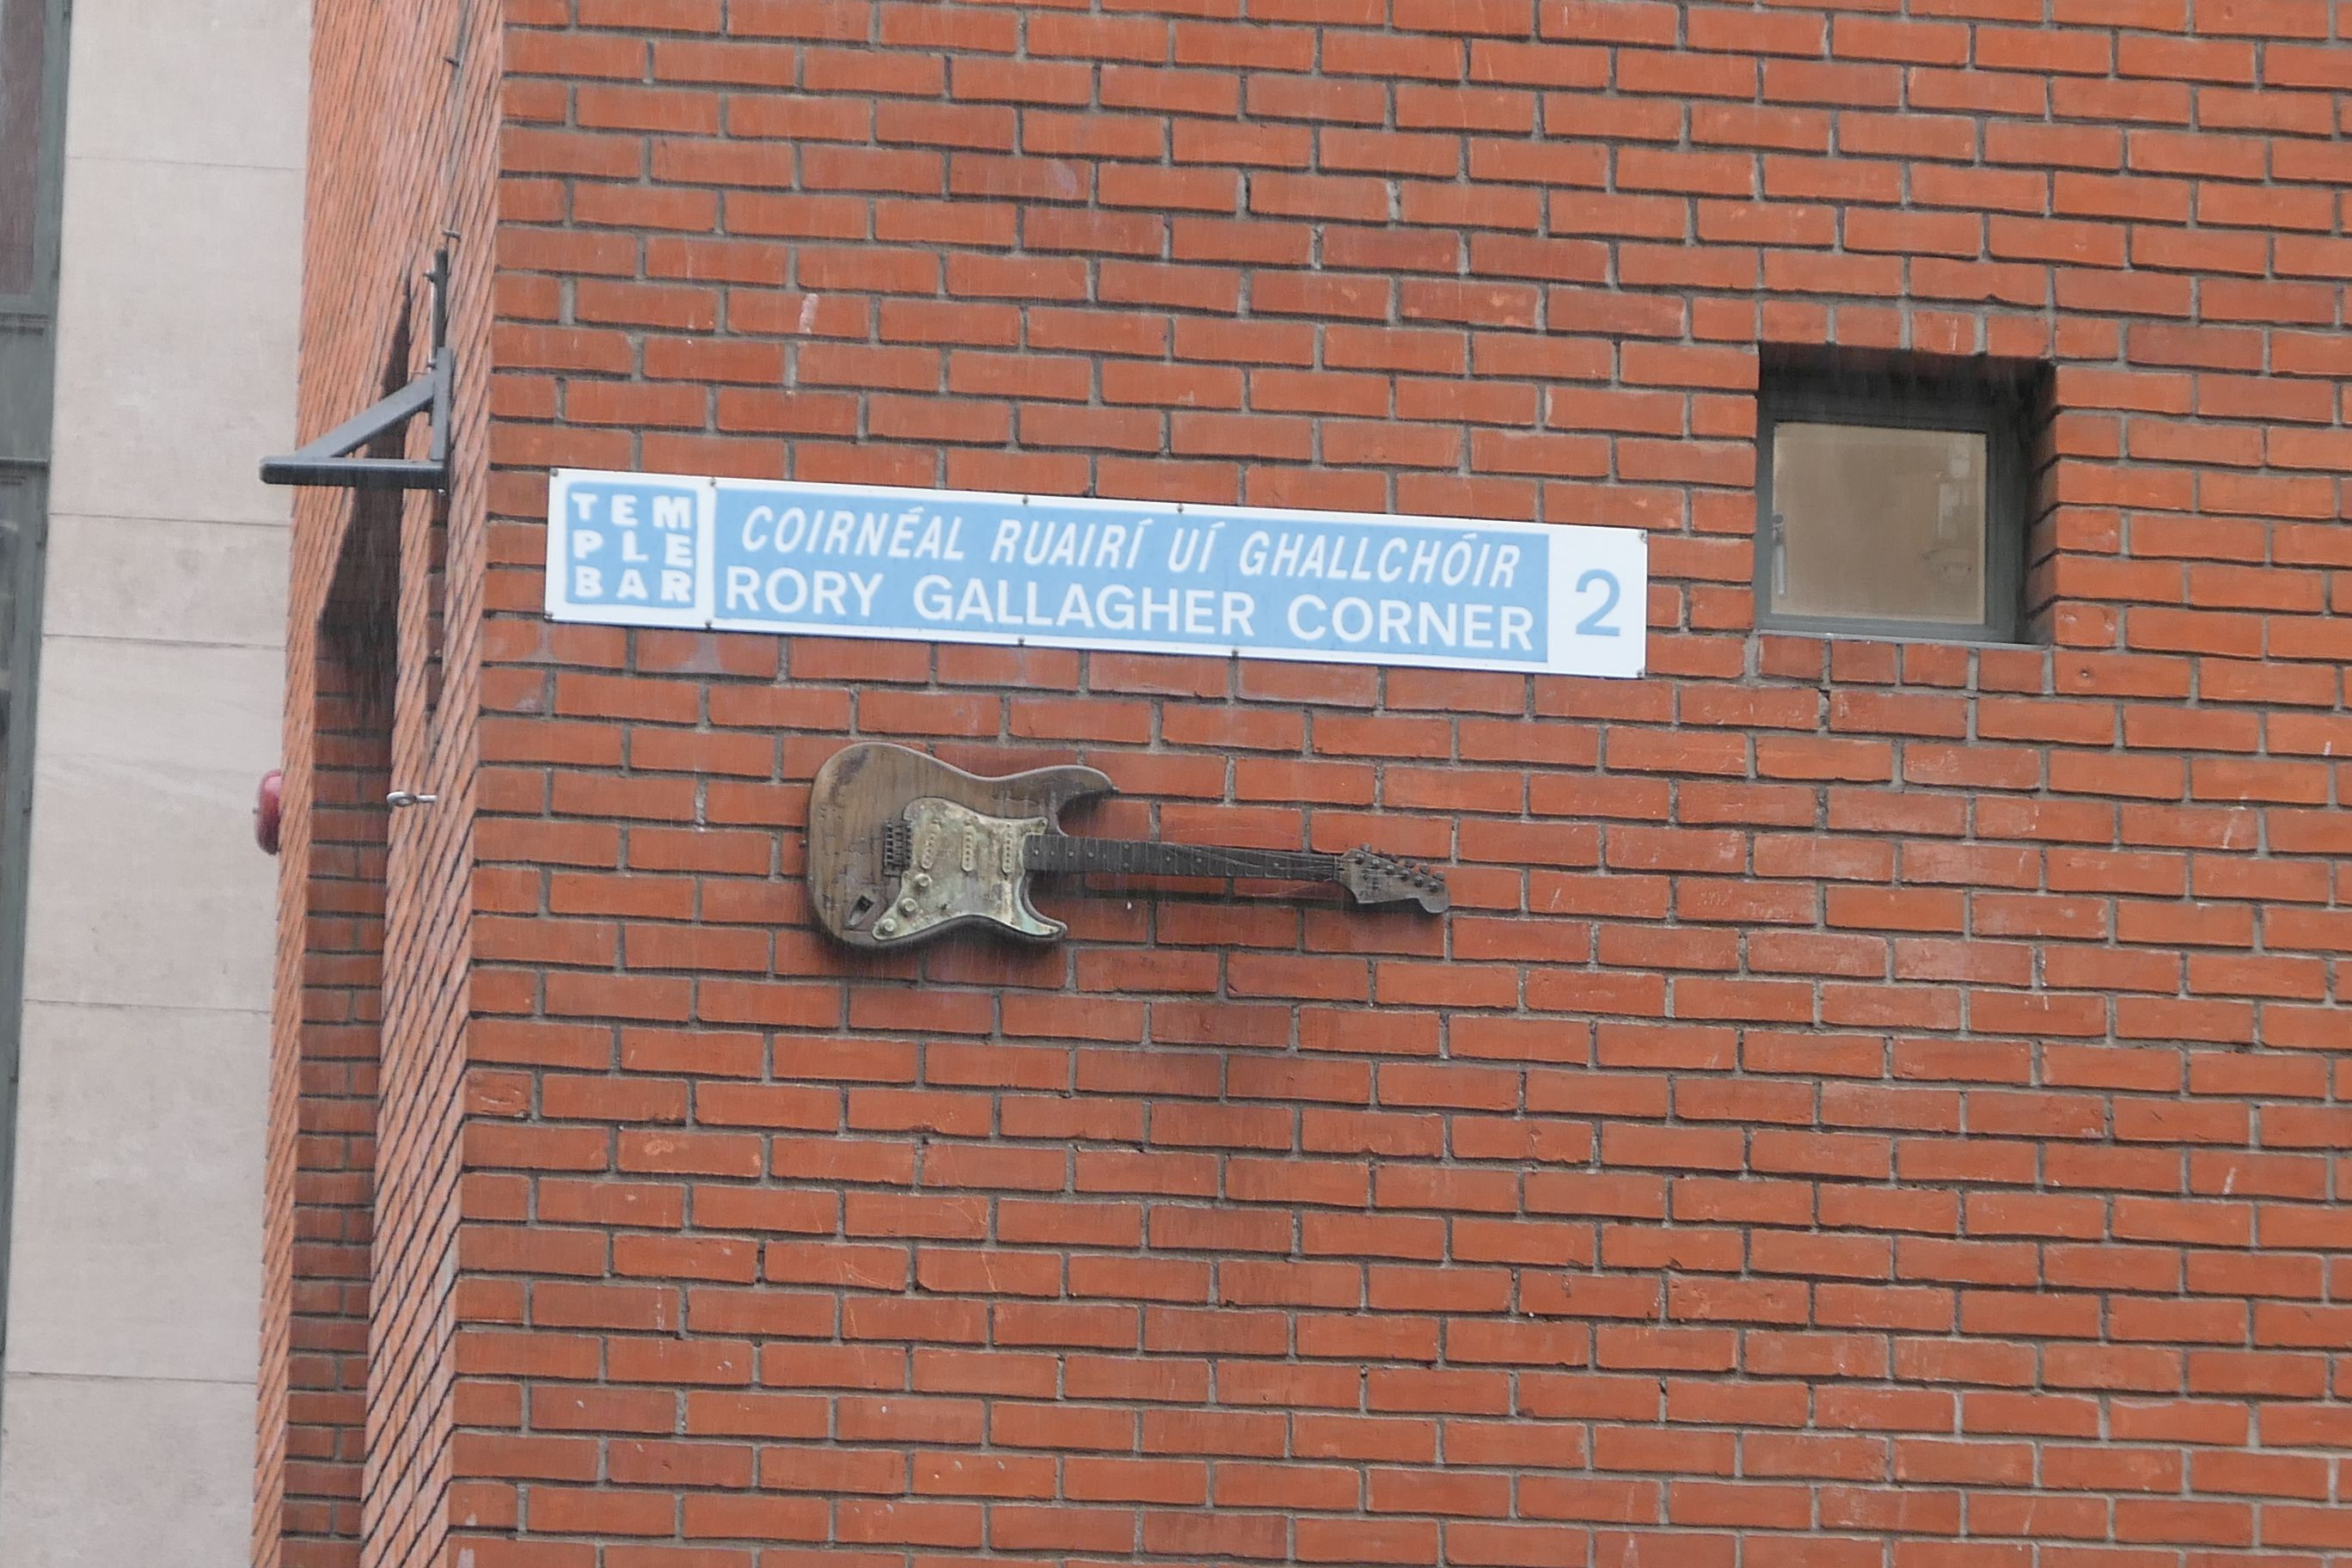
897 848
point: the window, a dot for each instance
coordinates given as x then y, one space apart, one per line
22 57
1891 498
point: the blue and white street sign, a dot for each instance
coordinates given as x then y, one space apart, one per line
921 565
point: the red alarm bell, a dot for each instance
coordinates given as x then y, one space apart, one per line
269 805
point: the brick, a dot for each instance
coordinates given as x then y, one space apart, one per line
2043 934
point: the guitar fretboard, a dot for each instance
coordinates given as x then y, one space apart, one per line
1139 858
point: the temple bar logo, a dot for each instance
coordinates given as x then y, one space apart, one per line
656 550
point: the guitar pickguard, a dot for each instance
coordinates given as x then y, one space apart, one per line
961 865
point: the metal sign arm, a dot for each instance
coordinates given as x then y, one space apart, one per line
327 460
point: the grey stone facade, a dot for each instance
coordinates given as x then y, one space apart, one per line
126 1419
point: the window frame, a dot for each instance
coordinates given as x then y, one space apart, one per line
1952 403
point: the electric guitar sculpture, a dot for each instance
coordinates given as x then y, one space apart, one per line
902 846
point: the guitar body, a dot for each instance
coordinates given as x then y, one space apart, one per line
902 846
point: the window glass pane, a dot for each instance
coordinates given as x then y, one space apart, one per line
16 524
21 43
1879 522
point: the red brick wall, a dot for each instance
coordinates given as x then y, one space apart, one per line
334 1101
403 124
1871 1104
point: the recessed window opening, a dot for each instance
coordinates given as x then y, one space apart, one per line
1892 496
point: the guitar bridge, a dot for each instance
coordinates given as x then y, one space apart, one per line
897 848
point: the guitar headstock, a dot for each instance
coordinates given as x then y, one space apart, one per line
1375 878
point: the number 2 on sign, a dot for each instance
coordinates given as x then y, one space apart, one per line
1590 626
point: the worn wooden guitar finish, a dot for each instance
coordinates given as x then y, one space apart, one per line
902 846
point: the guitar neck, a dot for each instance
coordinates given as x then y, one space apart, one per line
1139 858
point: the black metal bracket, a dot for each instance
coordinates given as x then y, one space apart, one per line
327 461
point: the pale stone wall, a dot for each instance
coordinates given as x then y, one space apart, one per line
133 1291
